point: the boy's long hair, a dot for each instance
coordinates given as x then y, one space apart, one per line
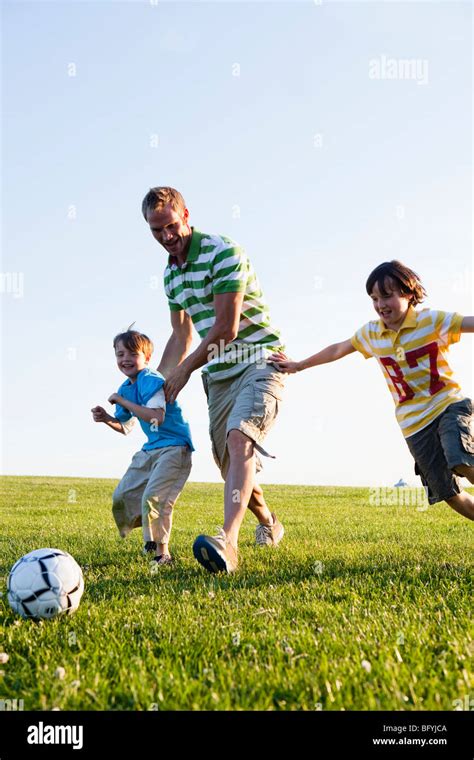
403 278
135 341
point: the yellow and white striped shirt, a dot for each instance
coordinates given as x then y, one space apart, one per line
413 360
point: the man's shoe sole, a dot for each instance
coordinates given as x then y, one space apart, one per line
208 556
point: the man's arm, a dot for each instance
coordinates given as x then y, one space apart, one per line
227 308
178 344
467 325
329 354
144 413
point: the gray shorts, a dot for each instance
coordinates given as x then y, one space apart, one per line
248 402
442 446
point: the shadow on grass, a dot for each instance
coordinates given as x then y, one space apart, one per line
377 575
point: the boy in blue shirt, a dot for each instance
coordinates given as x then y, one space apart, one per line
156 476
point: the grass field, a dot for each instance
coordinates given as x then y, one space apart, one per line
360 607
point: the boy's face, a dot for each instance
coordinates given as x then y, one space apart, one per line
171 229
391 307
130 362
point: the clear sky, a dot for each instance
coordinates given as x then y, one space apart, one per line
294 128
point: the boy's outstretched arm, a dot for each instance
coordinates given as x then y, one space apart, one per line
100 415
144 413
329 354
467 325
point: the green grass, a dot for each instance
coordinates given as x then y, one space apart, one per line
289 631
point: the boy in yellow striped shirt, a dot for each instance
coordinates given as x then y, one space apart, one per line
411 347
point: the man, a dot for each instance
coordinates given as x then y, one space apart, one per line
210 283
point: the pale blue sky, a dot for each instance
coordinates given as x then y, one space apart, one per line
320 171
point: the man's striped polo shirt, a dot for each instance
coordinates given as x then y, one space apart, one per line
214 265
413 360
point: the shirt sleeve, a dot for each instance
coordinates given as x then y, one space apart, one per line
128 425
122 414
448 326
361 342
172 303
157 401
148 387
229 271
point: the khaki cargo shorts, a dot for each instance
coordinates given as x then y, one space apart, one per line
249 402
150 487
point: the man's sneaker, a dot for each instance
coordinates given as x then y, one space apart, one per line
149 548
269 535
215 553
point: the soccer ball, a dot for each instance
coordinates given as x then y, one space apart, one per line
44 584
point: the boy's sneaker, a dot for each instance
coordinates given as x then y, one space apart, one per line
269 535
163 559
215 553
150 547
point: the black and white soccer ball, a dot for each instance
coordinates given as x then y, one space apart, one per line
44 584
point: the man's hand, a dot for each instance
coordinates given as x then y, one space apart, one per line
175 382
99 414
114 398
281 362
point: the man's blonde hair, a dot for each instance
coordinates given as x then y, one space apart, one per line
157 197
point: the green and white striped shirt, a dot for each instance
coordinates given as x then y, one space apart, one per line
216 265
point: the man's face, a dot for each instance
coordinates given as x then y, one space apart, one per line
171 229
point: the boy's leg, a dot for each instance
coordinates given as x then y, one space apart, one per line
456 436
168 476
466 471
127 497
444 451
463 503
439 481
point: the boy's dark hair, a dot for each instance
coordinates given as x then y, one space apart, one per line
405 279
135 341
157 197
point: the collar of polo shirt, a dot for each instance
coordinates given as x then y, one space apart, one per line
409 321
194 249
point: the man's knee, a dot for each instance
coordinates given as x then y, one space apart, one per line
239 445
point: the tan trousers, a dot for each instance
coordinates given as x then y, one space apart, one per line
148 491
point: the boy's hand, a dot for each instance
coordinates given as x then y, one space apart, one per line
99 414
281 361
114 399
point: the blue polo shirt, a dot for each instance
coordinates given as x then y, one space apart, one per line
174 431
